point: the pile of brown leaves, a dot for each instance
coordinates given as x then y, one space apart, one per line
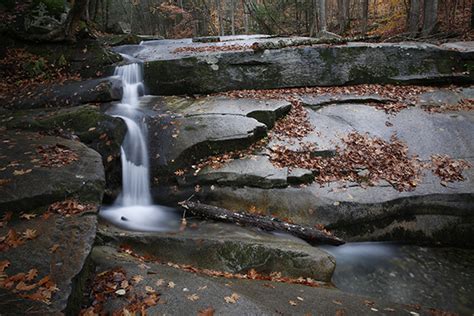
69 207
448 169
113 284
23 284
13 239
214 48
463 105
402 96
363 159
56 156
23 70
295 124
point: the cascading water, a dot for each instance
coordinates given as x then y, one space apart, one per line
133 209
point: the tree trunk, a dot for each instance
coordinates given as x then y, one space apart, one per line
309 234
232 17
322 16
343 14
430 16
413 17
365 15
472 15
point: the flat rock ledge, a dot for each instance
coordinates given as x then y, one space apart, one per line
57 245
193 292
186 130
318 65
229 248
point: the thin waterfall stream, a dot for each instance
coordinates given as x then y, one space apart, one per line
134 208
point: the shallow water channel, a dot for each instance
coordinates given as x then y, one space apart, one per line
442 278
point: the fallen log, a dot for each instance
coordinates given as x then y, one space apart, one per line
310 234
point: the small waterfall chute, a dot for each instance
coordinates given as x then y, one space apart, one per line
134 209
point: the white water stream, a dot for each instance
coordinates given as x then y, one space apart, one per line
134 209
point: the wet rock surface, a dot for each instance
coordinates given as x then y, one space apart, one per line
70 94
31 180
38 170
228 248
87 123
177 287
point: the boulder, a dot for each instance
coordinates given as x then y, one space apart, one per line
229 248
87 123
30 181
70 94
255 171
318 65
37 171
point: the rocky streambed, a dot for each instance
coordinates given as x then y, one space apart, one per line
366 162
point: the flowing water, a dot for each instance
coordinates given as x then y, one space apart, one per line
442 278
134 208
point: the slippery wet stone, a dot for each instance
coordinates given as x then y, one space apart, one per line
253 296
229 248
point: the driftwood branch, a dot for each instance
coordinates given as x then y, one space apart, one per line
268 223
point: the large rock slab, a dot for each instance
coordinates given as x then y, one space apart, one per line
430 213
229 248
36 171
26 184
87 123
67 265
318 65
255 171
254 297
183 130
69 94
191 138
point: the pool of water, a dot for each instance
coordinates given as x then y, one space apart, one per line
441 278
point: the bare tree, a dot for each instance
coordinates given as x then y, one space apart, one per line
413 17
430 16
343 15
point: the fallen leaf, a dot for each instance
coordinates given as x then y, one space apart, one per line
206 312
149 289
232 299
171 284
54 248
22 286
292 303
193 297
33 273
27 216
30 234
3 265
21 172
160 282
137 278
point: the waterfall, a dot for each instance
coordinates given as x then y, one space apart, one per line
133 209
134 152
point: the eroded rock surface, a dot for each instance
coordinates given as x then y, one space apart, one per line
188 293
170 71
229 248
37 171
